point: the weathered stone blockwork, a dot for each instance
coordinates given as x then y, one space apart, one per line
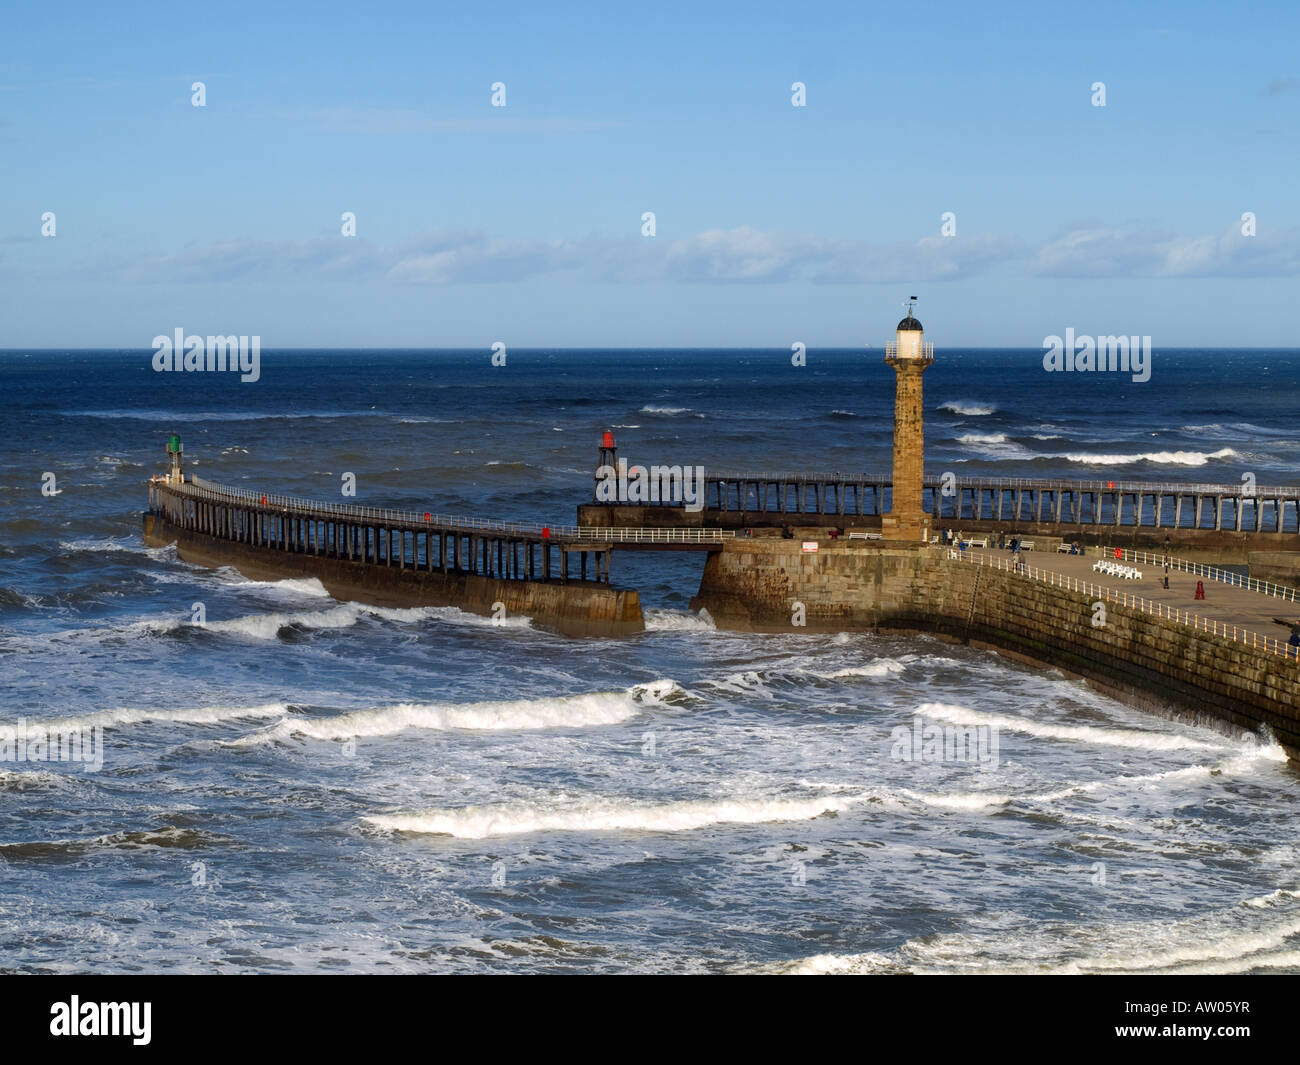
1146 660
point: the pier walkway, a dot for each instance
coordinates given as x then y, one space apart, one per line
408 539
1259 615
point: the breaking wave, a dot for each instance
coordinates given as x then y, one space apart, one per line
1113 737
271 626
677 621
606 815
1237 940
566 711
1161 458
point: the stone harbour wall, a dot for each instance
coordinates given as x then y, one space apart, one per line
1148 661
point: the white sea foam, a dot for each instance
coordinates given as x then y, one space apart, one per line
1276 959
982 438
837 965
981 800
269 626
21 779
667 411
309 586
959 800
200 715
751 681
757 680
1229 953
1112 737
967 409
881 667
1162 458
1273 898
607 815
588 710
677 621
106 543
1221 942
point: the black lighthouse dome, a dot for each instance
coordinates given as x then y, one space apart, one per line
909 324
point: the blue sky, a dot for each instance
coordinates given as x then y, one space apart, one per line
774 224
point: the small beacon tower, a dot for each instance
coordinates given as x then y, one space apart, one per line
175 475
608 457
910 356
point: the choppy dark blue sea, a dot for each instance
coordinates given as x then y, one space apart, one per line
303 784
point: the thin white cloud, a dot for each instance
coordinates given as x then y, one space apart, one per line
231 260
449 257
743 255
1110 252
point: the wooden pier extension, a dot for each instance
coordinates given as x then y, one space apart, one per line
1207 516
560 578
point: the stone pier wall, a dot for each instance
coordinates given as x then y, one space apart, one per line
575 608
1147 661
1280 567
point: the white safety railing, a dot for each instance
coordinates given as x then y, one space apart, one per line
1214 573
648 536
1200 623
201 488
735 476
925 351
1260 494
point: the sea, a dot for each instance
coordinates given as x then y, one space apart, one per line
287 783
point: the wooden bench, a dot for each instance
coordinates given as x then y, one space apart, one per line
1026 545
866 536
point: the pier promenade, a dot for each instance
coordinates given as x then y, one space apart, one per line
1259 616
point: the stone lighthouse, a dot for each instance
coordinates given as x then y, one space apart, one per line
910 356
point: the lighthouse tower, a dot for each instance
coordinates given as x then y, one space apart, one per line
910 356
